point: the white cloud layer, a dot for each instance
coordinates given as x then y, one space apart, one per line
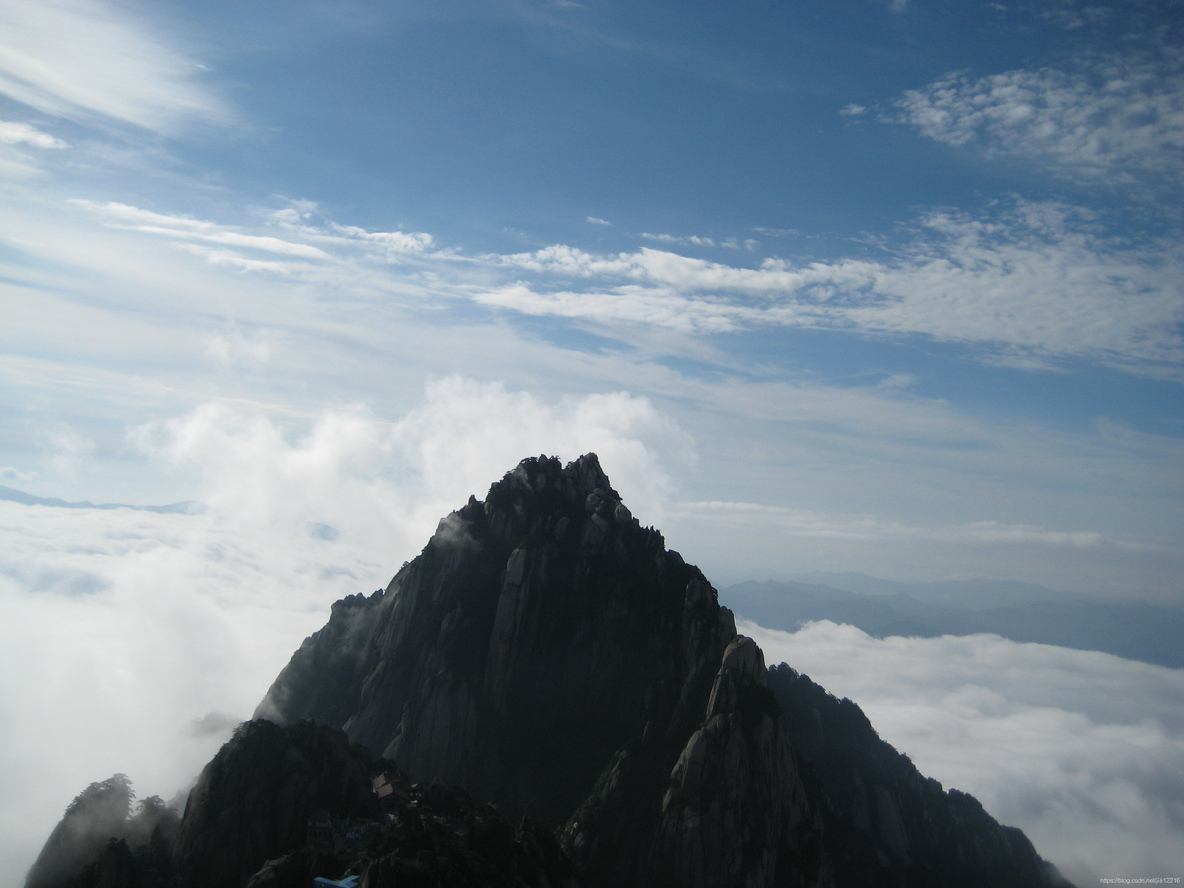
126 626
1118 116
123 326
1032 283
1082 750
135 219
380 481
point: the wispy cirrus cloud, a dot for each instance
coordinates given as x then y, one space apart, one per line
300 242
392 242
1040 279
698 240
17 133
690 274
84 60
183 228
692 240
643 306
1120 116
1026 284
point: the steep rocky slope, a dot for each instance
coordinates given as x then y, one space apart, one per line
883 816
536 634
254 800
247 821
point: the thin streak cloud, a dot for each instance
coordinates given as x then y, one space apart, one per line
869 528
56 57
16 133
136 219
1040 279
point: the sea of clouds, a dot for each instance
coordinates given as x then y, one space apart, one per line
133 640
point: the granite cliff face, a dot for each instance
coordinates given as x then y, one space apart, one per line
725 805
538 633
548 654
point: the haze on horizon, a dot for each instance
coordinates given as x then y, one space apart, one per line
885 287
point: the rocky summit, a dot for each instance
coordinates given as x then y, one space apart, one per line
547 661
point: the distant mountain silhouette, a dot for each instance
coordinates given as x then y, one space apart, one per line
974 594
1136 630
18 496
551 661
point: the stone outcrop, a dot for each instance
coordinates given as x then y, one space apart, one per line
725 805
736 810
442 839
447 839
885 821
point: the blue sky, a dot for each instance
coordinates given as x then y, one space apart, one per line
903 279
891 287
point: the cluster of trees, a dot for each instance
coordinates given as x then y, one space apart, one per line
103 819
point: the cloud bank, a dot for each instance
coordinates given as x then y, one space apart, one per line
133 314
1083 751
14 133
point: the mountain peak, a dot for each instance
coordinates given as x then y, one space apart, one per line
549 655
543 613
